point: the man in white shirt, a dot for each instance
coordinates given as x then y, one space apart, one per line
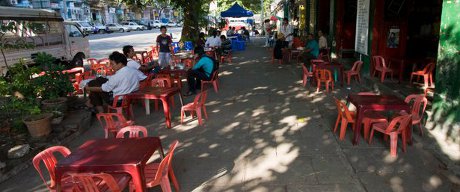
322 41
286 30
129 52
124 81
213 41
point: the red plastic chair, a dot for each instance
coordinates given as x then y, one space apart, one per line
419 103
324 75
398 125
161 173
104 61
196 106
344 117
306 74
154 53
125 106
162 82
381 67
228 57
100 182
426 73
214 81
112 122
370 118
49 160
133 131
354 71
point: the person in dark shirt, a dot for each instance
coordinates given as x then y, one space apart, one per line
164 42
280 44
201 40
226 45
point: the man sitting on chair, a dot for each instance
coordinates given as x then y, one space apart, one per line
124 81
202 70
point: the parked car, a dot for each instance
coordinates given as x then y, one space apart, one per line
99 28
148 24
171 24
157 24
133 26
114 27
85 26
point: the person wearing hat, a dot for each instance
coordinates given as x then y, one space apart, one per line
280 44
202 70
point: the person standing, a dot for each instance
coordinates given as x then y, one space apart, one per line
267 31
164 42
286 30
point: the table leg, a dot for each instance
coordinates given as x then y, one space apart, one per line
138 179
164 100
147 106
357 131
57 177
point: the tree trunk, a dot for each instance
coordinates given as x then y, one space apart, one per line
190 29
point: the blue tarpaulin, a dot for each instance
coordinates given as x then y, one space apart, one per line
236 11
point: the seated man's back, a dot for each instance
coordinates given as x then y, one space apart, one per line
124 81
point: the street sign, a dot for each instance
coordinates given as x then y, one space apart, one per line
362 27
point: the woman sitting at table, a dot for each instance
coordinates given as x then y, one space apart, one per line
226 45
124 81
280 45
201 40
202 70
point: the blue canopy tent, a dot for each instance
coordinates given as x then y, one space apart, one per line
236 11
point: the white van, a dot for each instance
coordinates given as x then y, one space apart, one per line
38 30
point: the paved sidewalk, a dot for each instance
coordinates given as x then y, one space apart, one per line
266 132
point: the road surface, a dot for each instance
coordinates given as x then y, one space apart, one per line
102 45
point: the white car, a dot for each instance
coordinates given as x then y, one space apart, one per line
171 24
157 24
85 26
133 26
114 27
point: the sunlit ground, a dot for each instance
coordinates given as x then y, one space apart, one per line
265 132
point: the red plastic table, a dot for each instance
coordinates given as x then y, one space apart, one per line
112 156
162 93
366 103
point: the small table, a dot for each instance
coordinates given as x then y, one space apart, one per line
162 93
366 103
331 66
111 155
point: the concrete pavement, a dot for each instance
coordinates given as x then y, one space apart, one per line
266 132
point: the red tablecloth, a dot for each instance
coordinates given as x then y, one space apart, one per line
366 103
112 156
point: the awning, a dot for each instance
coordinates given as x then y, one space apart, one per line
236 11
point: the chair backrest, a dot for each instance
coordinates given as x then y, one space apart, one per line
428 68
112 122
95 182
398 123
323 75
418 105
343 110
133 131
357 66
165 163
204 95
124 102
161 82
48 158
199 100
215 75
379 61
